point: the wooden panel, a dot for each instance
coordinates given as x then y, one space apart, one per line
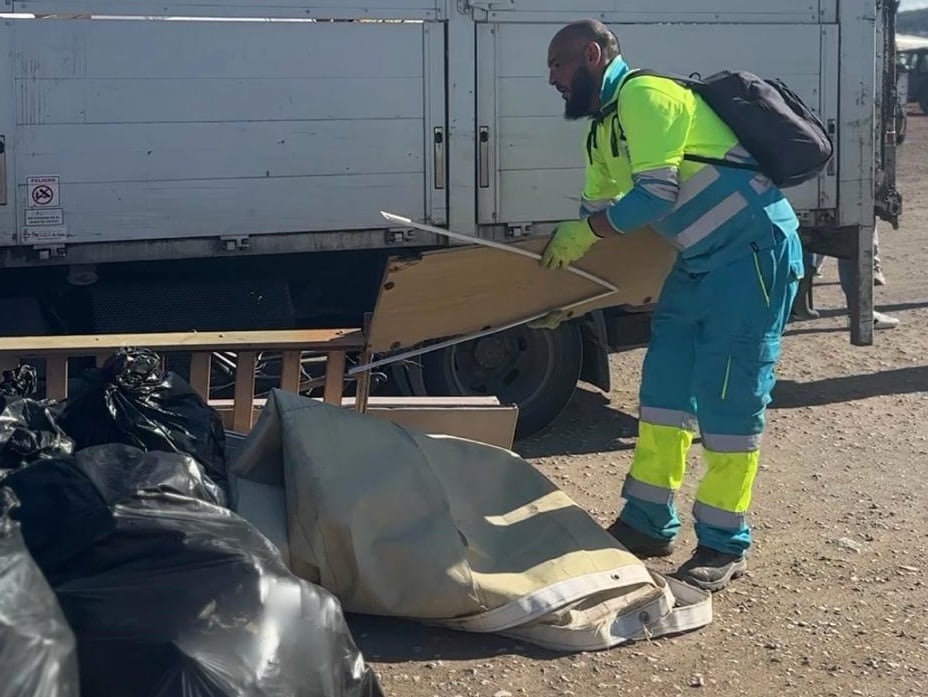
290 371
80 344
200 373
469 289
56 377
242 412
334 377
482 419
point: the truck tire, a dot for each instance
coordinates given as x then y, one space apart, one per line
536 369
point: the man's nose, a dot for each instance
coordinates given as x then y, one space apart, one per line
552 80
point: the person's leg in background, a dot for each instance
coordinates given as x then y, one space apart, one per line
747 304
846 273
878 278
803 307
648 522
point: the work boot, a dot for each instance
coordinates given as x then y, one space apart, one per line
802 305
712 570
638 543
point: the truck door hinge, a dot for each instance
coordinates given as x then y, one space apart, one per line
399 235
45 252
517 230
235 243
483 6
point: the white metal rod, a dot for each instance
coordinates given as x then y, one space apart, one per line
401 220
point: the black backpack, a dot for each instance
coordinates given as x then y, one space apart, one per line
771 122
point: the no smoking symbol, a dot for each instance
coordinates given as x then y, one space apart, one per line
42 195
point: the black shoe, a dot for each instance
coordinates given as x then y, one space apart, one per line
712 570
638 543
802 308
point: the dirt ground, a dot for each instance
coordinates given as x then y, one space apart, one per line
835 602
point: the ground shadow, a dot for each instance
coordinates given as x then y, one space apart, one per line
390 640
789 394
588 425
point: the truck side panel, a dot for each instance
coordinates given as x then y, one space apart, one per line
537 157
633 11
7 174
217 128
318 9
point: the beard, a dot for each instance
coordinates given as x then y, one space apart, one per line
582 90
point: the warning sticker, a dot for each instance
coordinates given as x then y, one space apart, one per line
43 192
44 216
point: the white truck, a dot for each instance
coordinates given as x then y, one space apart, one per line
222 164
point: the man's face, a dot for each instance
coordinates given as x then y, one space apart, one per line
569 71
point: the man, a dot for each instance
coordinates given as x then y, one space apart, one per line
717 323
802 306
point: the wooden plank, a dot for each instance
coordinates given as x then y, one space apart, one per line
469 289
334 377
242 410
290 371
86 344
200 364
56 377
364 379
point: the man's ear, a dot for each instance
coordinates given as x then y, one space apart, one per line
593 53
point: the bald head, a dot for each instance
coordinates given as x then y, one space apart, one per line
586 31
578 56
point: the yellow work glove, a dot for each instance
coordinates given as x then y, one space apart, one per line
552 320
571 240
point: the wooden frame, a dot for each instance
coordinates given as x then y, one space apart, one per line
335 343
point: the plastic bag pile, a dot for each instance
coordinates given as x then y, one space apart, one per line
122 571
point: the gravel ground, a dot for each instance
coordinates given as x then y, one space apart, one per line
835 602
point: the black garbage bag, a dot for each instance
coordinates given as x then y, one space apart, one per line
61 511
28 427
65 503
186 599
37 647
130 399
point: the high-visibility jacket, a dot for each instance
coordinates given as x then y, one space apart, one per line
636 170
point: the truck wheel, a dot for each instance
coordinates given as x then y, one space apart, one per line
535 369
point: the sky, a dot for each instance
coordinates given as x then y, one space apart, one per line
912 5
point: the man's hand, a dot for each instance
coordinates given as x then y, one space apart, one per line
552 320
571 240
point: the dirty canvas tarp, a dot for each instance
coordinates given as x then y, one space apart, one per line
451 532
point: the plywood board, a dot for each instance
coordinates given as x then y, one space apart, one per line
469 289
